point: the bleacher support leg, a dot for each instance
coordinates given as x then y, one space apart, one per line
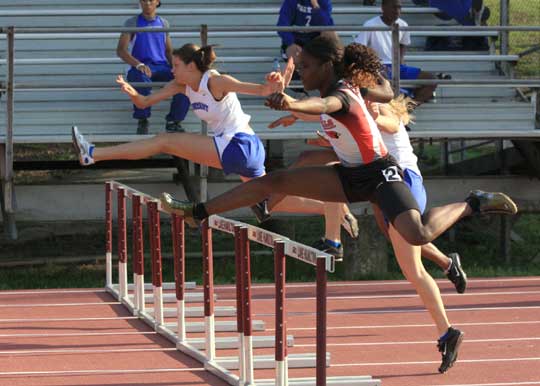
7 199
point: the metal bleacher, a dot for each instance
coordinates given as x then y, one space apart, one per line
45 114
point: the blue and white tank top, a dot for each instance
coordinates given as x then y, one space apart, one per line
224 117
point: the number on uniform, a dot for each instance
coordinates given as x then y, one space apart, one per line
391 174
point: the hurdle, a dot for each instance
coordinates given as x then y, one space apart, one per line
136 302
205 350
120 290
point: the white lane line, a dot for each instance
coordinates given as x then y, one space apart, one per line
77 334
407 326
97 372
45 292
461 361
388 283
296 285
411 295
58 304
520 293
66 319
400 311
492 384
420 342
81 351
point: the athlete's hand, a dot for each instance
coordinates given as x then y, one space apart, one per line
373 109
279 101
126 87
277 81
274 83
285 121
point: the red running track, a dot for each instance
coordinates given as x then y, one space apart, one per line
84 337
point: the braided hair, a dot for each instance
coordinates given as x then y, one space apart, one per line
361 65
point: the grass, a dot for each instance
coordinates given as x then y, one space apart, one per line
522 12
477 240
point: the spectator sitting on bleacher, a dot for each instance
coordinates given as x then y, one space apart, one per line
302 13
465 12
150 55
381 42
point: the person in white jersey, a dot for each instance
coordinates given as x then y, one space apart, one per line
366 172
234 147
391 120
381 42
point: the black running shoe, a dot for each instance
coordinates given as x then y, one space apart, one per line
142 126
174 127
260 210
449 348
323 246
456 274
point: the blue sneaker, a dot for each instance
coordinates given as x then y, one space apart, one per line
323 246
83 148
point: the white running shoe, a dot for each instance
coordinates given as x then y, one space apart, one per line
83 148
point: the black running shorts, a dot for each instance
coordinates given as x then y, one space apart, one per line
380 182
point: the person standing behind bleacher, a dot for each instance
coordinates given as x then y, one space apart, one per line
150 55
381 42
303 13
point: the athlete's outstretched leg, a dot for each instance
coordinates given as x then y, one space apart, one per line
194 147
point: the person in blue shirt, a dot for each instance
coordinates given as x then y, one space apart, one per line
150 58
465 12
303 13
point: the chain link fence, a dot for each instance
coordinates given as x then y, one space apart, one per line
524 13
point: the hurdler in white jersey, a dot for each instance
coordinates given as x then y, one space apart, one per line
234 147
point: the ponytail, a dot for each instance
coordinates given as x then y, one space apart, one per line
203 57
